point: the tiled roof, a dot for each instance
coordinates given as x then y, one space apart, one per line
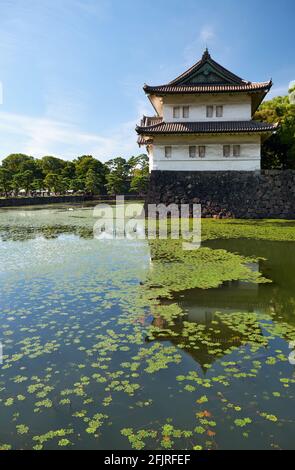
206 127
206 58
144 141
186 89
150 121
207 76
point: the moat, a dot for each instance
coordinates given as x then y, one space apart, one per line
116 344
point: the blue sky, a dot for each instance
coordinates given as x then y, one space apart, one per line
72 71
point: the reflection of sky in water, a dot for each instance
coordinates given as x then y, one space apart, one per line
69 252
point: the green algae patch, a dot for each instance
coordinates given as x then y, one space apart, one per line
163 438
265 229
174 269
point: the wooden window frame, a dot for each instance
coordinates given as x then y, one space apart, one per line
176 112
202 149
168 151
236 150
185 110
219 107
226 147
211 113
192 149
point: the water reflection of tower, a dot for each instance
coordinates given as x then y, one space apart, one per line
204 308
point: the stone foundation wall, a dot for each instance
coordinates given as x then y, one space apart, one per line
240 194
39 200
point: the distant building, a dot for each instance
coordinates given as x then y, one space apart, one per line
204 122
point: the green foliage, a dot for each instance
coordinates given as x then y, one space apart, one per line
5 181
51 164
118 179
93 182
52 182
279 150
139 174
18 163
85 174
139 183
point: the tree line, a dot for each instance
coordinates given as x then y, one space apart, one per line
24 174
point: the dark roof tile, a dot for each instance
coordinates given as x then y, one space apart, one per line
187 89
206 127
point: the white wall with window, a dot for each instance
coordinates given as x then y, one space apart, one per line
216 108
206 153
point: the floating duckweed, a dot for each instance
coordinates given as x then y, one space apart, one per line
89 327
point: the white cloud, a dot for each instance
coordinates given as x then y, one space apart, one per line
205 37
42 136
207 34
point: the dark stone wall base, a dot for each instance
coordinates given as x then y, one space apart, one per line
240 194
39 200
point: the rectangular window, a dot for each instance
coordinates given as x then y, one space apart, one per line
202 151
185 111
209 111
236 150
168 152
226 151
176 112
219 111
192 151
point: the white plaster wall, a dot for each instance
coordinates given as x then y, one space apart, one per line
207 165
249 159
235 108
150 152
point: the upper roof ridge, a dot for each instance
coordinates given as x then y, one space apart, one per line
227 75
206 55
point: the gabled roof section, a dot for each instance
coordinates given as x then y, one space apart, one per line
207 71
207 76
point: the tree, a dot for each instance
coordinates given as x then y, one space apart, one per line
85 163
139 183
279 150
51 182
139 174
5 181
77 184
19 163
38 184
23 180
50 164
141 162
69 170
118 179
92 182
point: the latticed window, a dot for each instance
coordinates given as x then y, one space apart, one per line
202 151
168 152
209 111
226 151
219 111
192 151
236 150
176 112
185 111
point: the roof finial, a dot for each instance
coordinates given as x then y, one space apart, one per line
206 54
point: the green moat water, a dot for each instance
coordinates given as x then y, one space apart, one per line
94 360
